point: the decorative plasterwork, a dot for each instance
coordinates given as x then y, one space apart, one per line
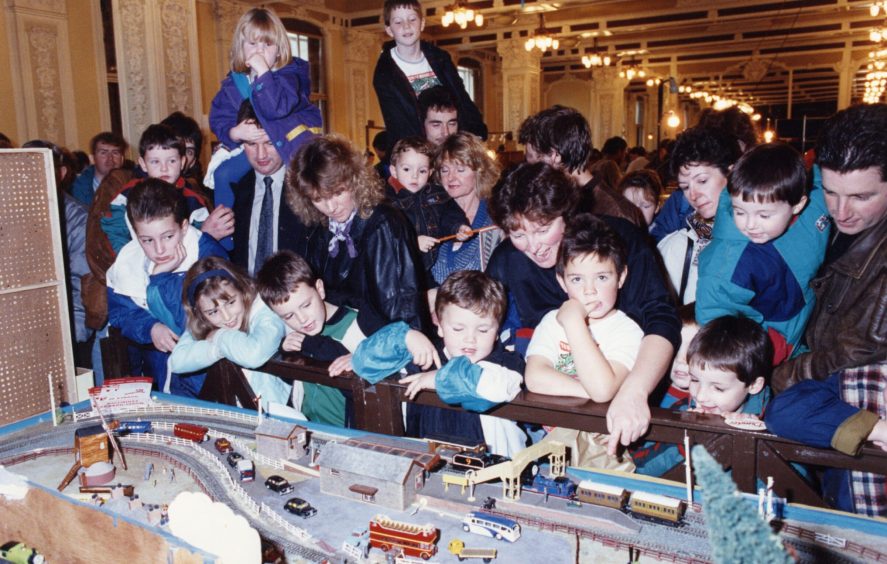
515 56
43 49
157 61
175 16
360 47
359 102
227 13
133 67
41 65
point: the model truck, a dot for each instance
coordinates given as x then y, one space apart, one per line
458 549
246 470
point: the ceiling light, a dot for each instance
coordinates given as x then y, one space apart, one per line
542 39
461 16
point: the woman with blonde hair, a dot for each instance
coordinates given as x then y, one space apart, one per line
363 249
465 170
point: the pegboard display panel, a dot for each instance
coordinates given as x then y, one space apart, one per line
26 244
32 346
35 335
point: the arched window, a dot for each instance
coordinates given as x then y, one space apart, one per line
306 42
470 72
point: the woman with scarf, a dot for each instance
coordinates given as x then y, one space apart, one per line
363 249
701 160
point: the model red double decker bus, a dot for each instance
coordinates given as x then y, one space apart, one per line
196 433
412 540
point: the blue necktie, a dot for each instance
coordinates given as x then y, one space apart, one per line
265 239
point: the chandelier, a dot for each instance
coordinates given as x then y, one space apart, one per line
541 39
632 70
877 34
875 77
596 59
461 16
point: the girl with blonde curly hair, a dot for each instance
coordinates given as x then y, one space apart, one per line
363 249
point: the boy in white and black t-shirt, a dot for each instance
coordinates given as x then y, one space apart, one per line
409 66
587 347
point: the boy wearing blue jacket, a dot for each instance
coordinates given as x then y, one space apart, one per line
767 245
139 282
477 372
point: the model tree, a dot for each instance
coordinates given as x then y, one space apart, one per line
736 534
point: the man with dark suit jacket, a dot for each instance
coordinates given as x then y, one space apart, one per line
263 222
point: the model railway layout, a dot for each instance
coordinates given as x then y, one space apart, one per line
305 520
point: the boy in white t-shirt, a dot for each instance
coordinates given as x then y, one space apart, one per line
587 347
409 66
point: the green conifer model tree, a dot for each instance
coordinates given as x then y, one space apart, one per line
736 534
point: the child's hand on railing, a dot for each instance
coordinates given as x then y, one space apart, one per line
340 366
418 382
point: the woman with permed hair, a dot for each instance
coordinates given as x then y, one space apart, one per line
465 170
363 249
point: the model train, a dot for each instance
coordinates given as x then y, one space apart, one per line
642 505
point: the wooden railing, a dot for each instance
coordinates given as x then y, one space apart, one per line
750 454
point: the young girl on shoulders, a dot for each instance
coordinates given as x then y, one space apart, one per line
277 84
227 319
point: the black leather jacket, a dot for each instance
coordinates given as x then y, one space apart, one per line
383 281
848 327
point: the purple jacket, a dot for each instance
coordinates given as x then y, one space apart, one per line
281 101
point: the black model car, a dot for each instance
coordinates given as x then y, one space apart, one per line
278 484
300 507
234 458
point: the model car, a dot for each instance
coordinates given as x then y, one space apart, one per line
300 507
223 445
234 458
278 484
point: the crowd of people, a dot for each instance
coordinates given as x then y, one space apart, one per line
757 286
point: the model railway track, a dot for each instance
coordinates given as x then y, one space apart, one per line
623 542
24 450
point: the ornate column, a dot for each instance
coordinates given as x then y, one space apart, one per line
42 72
521 75
360 54
227 13
157 61
607 104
